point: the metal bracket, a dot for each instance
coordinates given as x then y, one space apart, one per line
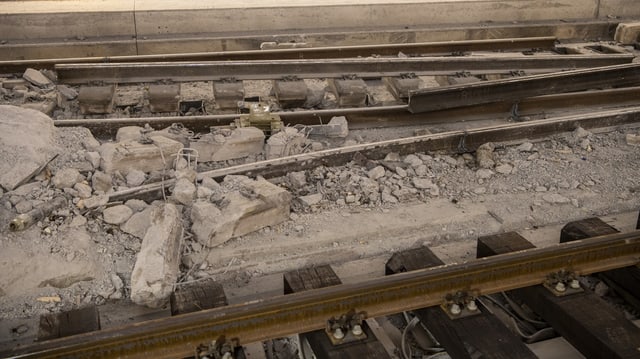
460 305
347 328
220 348
563 283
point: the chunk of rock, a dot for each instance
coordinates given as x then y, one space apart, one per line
239 143
505 169
84 190
96 201
117 214
137 205
525 147
376 173
37 78
67 178
484 155
93 158
184 192
158 262
297 179
310 200
101 182
254 205
484 173
633 140
425 183
125 156
413 161
138 223
210 183
67 92
337 127
128 133
287 142
135 178
27 142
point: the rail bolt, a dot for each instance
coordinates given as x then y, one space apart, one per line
455 309
472 306
560 287
574 284
338 334
356 330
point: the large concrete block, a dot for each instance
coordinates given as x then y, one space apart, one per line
157 265
124 156
267 205
627 33
227 145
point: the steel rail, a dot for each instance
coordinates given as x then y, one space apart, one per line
301 312
380 116
326 68
328 52
431 99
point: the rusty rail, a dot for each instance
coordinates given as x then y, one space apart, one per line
327 68
328 52
301 312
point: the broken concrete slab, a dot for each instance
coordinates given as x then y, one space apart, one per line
28 142
251 205
184 192
158 262
129 133
138 223
627 33
128 155
37 78
228 145
288 142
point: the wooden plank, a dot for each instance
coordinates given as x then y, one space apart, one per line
589 323
319 277
515 89
625 281
495 340
72 322
193 297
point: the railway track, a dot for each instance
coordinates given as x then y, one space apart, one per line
607 97
310 310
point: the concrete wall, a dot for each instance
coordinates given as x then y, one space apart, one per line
30 20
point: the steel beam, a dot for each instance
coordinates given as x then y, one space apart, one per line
514 89
328 68
301 312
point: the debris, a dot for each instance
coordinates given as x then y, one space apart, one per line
184 191
101 182
581 133
37 78
484 173
484 155
227 145
376 173
138 223
157 264
337 127
26 220
124 156
27 139
117 214
250 205
95 201
67 92
505 169
288 142
135 178
129 133
67 178
310 200
525 147
633 140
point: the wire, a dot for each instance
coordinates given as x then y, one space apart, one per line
409 326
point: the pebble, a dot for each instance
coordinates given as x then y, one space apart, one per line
393 157
541 189
484 173
23 206
413 161
480 190
310 200
135 178
350 198
96 201
376 173
401 172
297 179
66 178
117 214
83 189
525 147
136 205
78 221
504 169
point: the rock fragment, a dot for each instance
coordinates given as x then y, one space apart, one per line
67 178
287 142
184 191
228 145
376 173
555 198
117 214
633 140
484 155
157 264
37 78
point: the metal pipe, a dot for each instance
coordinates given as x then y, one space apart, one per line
26 220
